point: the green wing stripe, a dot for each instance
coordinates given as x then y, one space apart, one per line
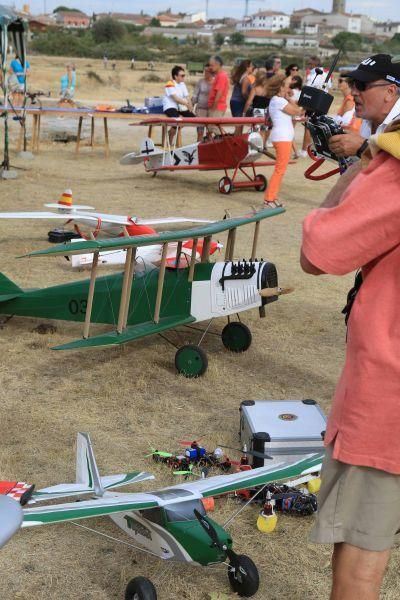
113 338
289 472
72 512
159 238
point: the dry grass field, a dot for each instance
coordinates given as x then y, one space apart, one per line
129 398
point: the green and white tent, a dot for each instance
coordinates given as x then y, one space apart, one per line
12 28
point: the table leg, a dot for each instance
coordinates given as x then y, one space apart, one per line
92 132
78 136
107 146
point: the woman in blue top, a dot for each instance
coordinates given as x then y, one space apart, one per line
241 86
18 74
68 83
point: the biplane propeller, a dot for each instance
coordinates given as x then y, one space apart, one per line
157 299
228 152
171 523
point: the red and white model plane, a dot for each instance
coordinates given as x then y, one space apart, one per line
229 152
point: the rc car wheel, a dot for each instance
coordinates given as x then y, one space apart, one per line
236 337
244 578
225 185
191 361
261 183
140 588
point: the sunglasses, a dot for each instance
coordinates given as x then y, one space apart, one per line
341 79
294 69
363 86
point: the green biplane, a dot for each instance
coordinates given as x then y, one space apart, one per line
154 299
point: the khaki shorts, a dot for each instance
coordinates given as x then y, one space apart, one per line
357 505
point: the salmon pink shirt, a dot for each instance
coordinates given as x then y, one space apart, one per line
220 83
364 230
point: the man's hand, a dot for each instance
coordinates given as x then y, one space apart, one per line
345 144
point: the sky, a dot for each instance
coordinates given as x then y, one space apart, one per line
378 9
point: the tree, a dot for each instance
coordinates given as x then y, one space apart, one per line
107 30
218 39
155 22
66 9
237 38
347 41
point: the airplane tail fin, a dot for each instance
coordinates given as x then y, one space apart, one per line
87 472
8 289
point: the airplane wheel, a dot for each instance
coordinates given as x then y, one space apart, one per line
225 185
244 579
191 361
261 183
236 337
140 588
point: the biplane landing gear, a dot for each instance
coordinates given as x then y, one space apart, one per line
261 183
236 336
243 576
225 185
140 588
191 361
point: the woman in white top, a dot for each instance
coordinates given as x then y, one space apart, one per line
281 111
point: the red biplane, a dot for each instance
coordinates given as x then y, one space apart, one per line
219 150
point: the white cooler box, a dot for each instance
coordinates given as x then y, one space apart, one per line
283 429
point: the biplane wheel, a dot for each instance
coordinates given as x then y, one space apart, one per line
140 588
244 578
225 185
261 183
236 337
191 361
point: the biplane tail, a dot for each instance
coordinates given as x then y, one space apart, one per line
8 289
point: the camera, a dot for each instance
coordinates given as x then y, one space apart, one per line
317 103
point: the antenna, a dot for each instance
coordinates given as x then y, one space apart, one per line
332 67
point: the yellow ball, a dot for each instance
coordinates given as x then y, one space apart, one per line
267 523
314 485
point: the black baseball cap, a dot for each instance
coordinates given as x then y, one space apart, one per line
378 66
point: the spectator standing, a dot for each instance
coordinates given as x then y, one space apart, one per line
133 63
241 86
20 72
296 87
345 115
200 97
218 98
292 70
358 226
281 110
68 83
375 86
176 101
105 60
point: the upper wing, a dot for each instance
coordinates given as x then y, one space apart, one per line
280 471
159 238
107 505
196 121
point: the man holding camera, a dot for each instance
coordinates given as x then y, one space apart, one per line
375 86
358 226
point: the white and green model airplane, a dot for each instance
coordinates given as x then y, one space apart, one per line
171 522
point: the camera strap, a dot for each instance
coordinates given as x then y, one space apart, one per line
351 296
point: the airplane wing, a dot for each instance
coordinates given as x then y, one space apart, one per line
158 238
281 471
127 220
132 332
35 215
196 121
72 511
64 490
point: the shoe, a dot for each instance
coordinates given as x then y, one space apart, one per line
302 153
272 204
